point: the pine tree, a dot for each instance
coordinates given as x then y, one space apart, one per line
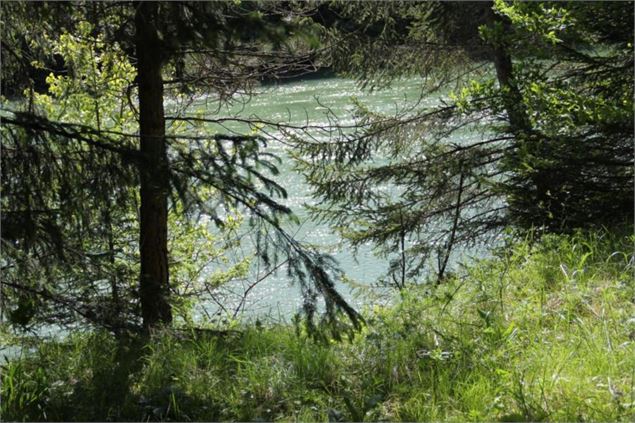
202 47
533 131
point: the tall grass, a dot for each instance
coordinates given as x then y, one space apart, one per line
544 331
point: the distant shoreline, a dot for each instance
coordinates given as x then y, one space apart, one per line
290 77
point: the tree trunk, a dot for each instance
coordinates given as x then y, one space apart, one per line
153 170
521 127
516 112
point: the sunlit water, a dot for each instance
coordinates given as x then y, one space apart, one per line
311 102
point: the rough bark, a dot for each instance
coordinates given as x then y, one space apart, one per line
153 169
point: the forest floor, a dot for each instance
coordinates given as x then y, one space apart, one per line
543 331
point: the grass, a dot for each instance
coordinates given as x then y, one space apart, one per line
545 331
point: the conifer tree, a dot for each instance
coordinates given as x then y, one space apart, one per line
212 48
533 129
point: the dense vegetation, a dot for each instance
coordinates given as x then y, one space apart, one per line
544 331
124 206
540 96
98 150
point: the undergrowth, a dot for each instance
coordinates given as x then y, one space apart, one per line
544 331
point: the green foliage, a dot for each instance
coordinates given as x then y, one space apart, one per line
544 21
533 130
26 32
374 42
93 90
71 177
98 255
199 260
573 78
542 331
67 209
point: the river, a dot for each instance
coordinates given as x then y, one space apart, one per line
300 103
277 298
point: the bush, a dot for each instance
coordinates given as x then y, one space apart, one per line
545 330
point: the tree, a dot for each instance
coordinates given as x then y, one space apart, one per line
536 131
574 132
67 208
153 170
177 167
21 46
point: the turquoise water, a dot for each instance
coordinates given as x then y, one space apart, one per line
311 102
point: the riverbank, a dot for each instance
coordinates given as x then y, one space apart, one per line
545 331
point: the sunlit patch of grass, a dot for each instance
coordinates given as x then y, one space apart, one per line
544 331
